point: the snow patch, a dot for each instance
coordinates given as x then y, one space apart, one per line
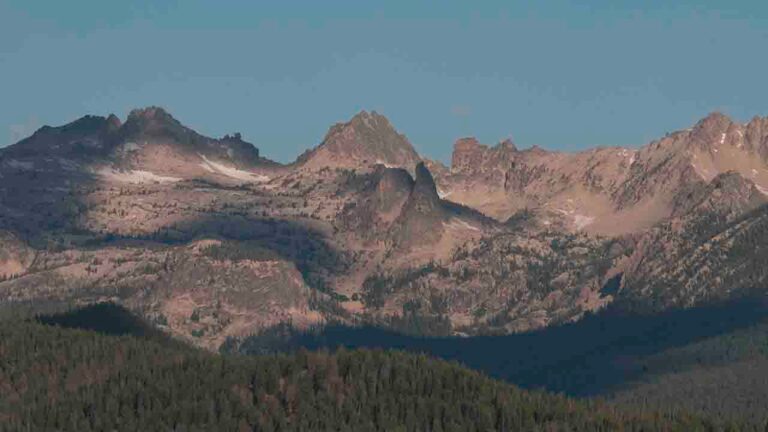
722 138
68 164
460 224
366 121
23 166
131 146
582 221
208 168
628 154
215 167
703 173
135 176
386 165
442 194
761 189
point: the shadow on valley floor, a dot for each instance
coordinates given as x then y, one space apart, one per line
587 358
106 318
248 238
592 357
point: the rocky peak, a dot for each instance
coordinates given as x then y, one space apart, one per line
151 120
466 153
506 145
756 136
468 144
709 130
85 124
728 194
421 221
87 136
114 122
536 150
470 156
367 139
369 120
105 139
154 125
393 180
150 113
235 137
758 122
714 119
424 188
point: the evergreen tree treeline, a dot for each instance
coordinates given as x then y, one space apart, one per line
56 379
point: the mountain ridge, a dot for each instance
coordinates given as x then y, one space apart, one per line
210 240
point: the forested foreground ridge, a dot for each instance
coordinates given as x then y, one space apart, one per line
57 379
710 361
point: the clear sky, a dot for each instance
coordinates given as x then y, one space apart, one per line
554 73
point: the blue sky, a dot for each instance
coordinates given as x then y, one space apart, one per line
555 73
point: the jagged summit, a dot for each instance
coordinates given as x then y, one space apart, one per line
469 152
114 121
420 223
714 119
83 125
158 133
366 139
595 188
150 141
507 144
88 136
156 121
588 189
710 129
150 113
370 119
424 193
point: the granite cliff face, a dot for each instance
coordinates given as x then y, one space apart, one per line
211 241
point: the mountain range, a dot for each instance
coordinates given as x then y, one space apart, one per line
212 242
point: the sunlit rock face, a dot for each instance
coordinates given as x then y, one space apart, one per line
212 241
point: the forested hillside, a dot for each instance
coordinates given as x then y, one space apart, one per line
52 378
709 360
723 376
